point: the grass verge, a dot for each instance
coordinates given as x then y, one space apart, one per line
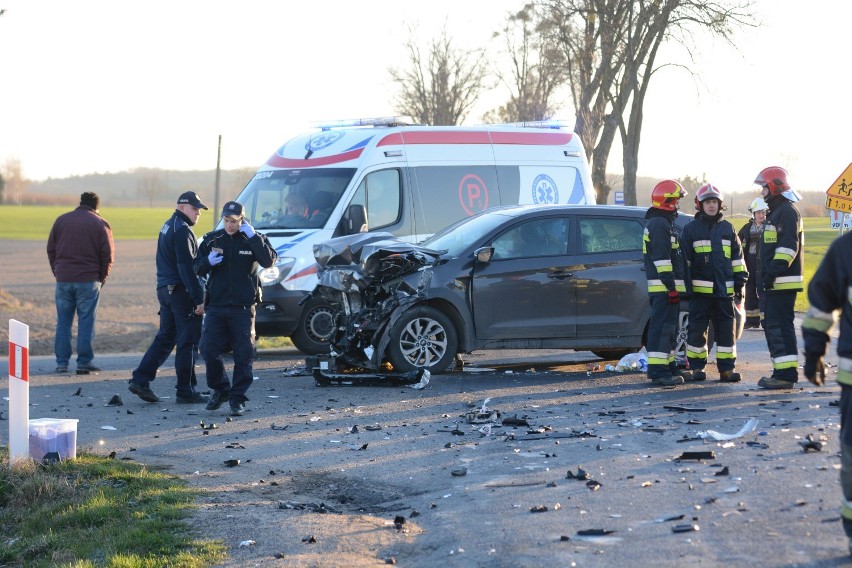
94 511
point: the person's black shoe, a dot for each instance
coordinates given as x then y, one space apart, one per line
195 398
86 369
61 369
218 399
143 391
238 409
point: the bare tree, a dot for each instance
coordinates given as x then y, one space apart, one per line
537 69
149 185
441 88
612 48
15 184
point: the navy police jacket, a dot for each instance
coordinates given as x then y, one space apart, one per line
234 281
714 256
176 252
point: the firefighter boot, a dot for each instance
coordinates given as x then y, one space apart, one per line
729 377
668 381
773 383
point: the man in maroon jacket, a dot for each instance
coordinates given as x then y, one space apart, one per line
81 252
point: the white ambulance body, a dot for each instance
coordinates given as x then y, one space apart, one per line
407 180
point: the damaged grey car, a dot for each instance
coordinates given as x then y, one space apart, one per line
519 277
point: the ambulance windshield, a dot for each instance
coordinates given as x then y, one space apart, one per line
294 199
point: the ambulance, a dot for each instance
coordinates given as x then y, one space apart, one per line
390 175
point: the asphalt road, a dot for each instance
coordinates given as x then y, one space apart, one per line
505 498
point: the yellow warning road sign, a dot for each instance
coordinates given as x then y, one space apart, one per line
839 195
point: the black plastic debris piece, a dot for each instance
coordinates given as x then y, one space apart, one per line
398 522
697 455
414 513
551 484
538 509
810 443
834 403
2 417
612 412
79 391
111 455
274 427
670 518
205 426
129 411
363 447
564 538
391 560
593 485
515 421
372 427
595 532
115 401
328 378
456 432
309 539
581 475
685 528
689 439
723 471
685 408
758 445
232 463
459 472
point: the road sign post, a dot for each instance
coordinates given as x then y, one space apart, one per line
19 391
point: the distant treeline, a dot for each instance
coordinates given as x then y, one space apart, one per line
142 187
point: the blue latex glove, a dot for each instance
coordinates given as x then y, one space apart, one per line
214 258
247 229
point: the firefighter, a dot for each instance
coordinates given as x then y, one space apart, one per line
717 274
749 236
782 265
830 291
664 268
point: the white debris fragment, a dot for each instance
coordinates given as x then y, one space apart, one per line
246 543
108 428
424 380
749 426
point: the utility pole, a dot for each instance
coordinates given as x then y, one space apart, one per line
215 214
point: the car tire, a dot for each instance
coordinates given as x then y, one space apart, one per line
422 337
315 327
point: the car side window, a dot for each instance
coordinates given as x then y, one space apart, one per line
610 235
538 237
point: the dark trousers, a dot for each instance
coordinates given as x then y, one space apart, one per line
662 332
229 326
703 310
179 330
846 457
752 302
781 335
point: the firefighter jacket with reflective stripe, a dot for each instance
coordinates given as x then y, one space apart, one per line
749 236
665 267
781 259
830 292
714 256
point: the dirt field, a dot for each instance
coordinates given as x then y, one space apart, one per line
127 315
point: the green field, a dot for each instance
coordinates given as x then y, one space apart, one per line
33 223
28 222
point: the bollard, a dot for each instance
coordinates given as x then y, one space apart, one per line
19 391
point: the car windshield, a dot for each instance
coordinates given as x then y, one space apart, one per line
459 236
294 199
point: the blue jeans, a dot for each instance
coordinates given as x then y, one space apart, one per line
229 326
179 331
81 298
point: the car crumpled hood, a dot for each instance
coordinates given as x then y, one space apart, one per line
363 277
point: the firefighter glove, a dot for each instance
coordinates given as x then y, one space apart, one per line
214 258
673 296
814 368
768 281
247 229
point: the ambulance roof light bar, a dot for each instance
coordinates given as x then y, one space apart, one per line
380 121
554 124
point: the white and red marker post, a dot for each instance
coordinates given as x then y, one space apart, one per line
19 391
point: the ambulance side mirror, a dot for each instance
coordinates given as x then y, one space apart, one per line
356 218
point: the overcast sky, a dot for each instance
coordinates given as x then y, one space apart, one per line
105 86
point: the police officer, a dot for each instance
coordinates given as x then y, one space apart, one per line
830 290
782 264
749 235
181 297
717 273
229 258
665 269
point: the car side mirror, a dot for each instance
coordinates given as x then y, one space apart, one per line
484 254
357 219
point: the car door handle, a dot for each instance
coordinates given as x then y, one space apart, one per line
560 274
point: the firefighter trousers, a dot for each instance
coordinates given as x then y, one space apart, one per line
781 335
703 310
662 333
846 457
